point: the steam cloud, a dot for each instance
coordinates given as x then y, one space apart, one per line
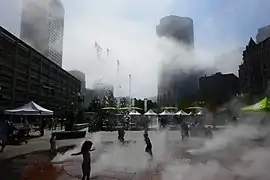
231 154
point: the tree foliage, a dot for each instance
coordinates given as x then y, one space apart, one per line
124 102
109 100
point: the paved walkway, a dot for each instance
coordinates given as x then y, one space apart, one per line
27 160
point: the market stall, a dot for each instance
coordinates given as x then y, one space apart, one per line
29 109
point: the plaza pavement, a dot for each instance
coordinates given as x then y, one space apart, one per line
16 159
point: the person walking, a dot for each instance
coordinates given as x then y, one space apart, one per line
148 148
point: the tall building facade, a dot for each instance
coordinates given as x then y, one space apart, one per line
81 77
26 75
254 72
213 91
178 28
174 84
42 27
263 33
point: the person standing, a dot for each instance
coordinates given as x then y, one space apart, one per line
184 130
62 123
121 135
53 143
85 152
4 134
42 126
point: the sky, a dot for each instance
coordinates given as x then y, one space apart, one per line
127 28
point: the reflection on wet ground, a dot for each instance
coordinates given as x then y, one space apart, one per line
37 164
28 166
71 169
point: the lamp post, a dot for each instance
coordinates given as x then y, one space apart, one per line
129 81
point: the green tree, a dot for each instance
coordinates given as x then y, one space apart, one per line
109 100
124 102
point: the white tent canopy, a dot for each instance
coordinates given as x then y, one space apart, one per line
150 112
134 113
30 108
166 113
183 113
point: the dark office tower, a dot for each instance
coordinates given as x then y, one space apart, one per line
178 28
263 34
175 85
81 77
42 27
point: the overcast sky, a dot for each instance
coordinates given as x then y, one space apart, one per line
127 28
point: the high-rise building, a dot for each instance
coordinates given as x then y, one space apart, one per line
174 83
81 77
42 27
213 91
178 28
263 33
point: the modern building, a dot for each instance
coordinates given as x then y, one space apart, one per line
263 33
218 88
42 27
26 75
254 72
174 84
88 97
81 77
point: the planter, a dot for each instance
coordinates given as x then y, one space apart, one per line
78 127
70 135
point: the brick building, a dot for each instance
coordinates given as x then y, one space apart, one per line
254 72
218 88
26 75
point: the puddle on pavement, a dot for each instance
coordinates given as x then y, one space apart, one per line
42 171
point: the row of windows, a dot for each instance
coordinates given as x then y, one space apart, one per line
41 68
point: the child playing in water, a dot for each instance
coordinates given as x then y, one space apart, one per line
53 143
86 165
121 135
148 147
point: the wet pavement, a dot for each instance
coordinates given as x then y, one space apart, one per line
32 160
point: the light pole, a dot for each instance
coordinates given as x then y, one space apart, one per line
129 81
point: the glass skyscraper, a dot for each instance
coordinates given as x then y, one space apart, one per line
42 27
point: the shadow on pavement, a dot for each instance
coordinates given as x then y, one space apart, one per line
18 142
14 168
